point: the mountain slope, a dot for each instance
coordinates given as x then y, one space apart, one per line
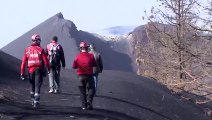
9 70
69 37
55 25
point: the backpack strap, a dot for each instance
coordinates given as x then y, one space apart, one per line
54 45
50 45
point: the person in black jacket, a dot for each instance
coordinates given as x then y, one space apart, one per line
56 58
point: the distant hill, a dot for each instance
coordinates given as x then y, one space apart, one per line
115 31
122 40
69 37
10 66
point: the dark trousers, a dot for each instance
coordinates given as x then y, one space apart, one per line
87 89
36 79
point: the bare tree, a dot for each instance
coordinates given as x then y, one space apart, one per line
178 49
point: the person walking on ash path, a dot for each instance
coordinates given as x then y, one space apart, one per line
84 63
99 68
36 60
56 58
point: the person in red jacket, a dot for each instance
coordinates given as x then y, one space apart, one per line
36 60
84 63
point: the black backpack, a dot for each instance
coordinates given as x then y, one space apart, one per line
54 55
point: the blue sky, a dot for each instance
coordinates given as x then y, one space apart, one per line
20 16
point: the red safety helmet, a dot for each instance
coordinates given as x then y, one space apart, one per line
83 45
36 37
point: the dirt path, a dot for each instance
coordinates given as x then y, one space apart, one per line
120 96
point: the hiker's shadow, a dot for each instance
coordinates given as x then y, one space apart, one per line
27 112
126 102
64 112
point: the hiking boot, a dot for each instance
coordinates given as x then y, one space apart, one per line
51 90
89 106
84 106
33 102
56 91
36 104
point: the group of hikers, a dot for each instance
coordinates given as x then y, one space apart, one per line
51 60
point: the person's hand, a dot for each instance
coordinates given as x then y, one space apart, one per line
22 77
63 68
48 70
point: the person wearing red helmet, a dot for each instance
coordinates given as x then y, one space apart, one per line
36 60
84 63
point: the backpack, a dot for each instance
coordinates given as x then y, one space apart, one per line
54 56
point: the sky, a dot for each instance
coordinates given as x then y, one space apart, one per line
20 16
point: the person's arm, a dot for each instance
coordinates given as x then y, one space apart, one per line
100 64
45 60
74 65
94 61
23 63
62 56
